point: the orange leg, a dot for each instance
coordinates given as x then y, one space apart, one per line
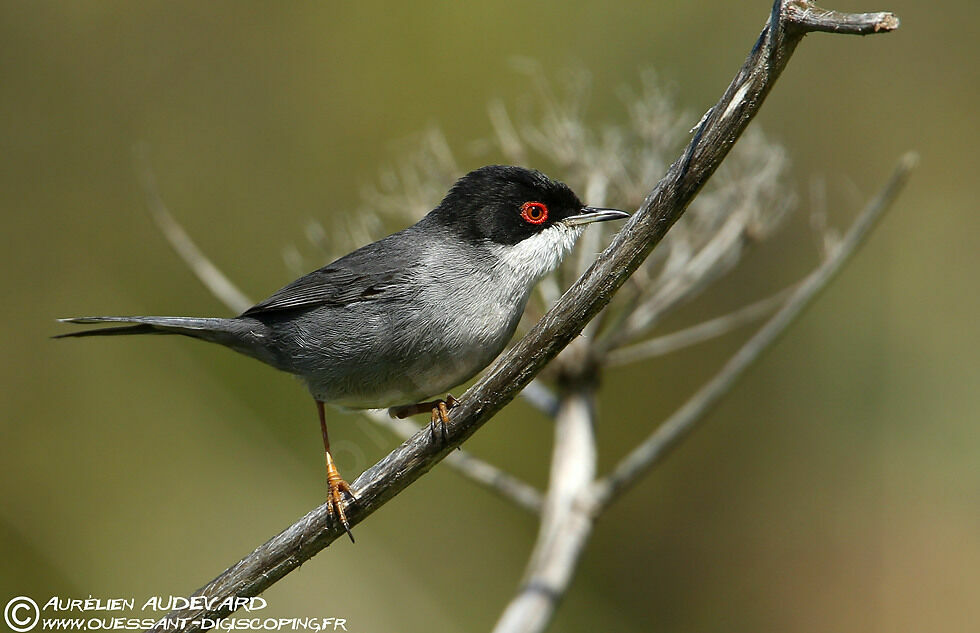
336 486
438 408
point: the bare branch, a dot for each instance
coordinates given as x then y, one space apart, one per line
499 481
684 420
541 397
565 523
812 18
696 333
743 208
509 374
213 279
677 287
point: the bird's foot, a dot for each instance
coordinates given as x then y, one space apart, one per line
336 489
439 410
440 417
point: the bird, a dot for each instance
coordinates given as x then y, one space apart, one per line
410 316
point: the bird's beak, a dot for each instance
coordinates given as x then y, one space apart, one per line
588 215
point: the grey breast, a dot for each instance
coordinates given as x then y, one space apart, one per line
451 309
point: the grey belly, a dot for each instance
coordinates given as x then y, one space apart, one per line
362 357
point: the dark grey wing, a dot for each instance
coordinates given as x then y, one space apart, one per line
330 286
376 272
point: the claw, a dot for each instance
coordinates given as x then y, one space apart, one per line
336 489
440 417
439 410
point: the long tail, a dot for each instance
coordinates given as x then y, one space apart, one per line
210 329
245 335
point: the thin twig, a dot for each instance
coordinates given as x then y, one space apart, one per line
541 397
509 374
684 420
695 260
812 18
695 334
497 480
209 274
700 270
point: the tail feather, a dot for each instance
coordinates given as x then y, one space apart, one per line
211 329
245 335
112 331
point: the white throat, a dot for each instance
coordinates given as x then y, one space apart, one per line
531 259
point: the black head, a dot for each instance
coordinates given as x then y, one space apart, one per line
506 205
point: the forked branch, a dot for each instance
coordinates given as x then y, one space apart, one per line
683 421
562 539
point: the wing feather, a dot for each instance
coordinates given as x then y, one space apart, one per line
375 272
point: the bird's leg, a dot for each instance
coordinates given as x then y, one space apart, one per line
336 486
438 408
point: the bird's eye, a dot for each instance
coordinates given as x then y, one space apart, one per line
534 212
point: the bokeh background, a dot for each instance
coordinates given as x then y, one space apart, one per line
836 488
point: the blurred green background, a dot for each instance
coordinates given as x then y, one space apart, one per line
837 488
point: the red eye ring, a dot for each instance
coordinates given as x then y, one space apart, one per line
534 212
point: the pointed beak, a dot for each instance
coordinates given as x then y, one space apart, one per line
588 215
